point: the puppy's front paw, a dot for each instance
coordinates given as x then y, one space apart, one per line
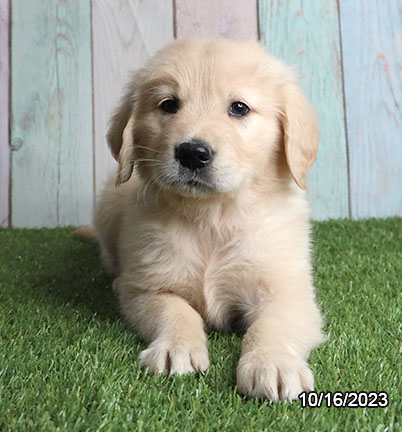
175 357
273 375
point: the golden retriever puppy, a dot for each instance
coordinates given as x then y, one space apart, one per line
207 226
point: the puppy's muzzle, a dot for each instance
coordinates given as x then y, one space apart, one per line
194 155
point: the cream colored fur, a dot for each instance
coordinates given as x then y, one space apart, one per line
186 259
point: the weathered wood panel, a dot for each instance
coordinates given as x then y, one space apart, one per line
372 59
52 153
236 19
125 35
4 119
306 34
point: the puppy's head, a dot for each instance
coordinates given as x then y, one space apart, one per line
210 116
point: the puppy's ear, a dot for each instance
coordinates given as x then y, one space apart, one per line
301 132
120 136
126 155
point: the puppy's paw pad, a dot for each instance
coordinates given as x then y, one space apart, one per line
175 357
273 376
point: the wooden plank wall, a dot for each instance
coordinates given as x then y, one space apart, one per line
306 34
71 58
51 135
4 111
236 19
372 63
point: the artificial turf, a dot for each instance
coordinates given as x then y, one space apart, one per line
68 363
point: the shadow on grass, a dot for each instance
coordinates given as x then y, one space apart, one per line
50 266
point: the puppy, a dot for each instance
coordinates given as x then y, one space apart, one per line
207 226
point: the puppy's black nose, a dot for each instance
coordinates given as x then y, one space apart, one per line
194 154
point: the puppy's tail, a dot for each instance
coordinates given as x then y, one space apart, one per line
85 234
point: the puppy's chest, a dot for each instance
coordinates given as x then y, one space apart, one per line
202 255
217 270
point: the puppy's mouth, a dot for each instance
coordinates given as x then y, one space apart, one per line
193 185
199 184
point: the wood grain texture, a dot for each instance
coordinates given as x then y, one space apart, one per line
372 59
52 154
306 34
4 119
236 19
125 35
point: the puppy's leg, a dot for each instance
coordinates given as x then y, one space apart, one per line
174 329
276 346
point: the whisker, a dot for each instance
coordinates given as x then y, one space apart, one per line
143 188
162 179
146 160
146 148
151 182
149 164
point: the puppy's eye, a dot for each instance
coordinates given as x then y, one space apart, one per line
238 109
170 106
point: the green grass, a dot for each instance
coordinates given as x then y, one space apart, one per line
67 361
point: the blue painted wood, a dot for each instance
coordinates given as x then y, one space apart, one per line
52 158
306 34
4 114
372 61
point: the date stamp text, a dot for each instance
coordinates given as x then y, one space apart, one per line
348 399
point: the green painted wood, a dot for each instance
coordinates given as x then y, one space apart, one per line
4 111
52 149
373 89
236 19
125 34
306 34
